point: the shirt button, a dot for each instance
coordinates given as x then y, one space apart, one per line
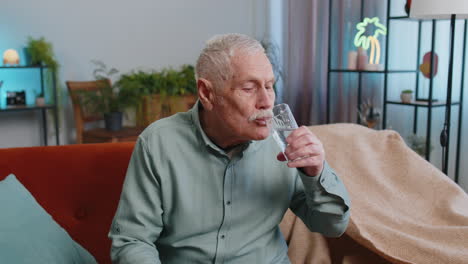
222 236
228 202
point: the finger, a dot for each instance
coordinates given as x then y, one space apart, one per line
304 140
281 157
307 151
314 161
298 133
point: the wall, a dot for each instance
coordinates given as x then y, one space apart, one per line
143 34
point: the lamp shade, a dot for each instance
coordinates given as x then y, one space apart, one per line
11 57
439 9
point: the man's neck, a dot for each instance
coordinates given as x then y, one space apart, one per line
216 132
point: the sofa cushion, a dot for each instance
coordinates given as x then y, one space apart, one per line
28 234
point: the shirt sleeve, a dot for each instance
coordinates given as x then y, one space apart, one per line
322 202
138 223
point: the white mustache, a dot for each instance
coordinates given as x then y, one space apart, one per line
261 114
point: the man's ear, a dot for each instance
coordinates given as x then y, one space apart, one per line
206 93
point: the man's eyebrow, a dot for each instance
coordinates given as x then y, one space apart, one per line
253 79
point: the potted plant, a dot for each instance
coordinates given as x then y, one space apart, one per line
418 144
147 87
161 93
40 99
109 100
406 96
189 85
369 114
39 52
182 88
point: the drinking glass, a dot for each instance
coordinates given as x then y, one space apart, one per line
282 124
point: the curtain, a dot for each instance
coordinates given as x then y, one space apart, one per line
306 60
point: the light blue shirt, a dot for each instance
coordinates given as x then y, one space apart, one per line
184 200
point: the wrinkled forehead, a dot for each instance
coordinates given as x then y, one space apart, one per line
254 64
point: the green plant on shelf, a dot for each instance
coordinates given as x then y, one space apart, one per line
109 98
40 52
167 81
40 99
418 144
39 93
406 96
369 114
188 84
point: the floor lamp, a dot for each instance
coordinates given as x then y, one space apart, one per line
446 9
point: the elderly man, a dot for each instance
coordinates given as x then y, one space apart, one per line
209 185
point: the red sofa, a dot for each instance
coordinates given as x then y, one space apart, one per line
79 185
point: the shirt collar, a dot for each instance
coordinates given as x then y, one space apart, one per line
206 141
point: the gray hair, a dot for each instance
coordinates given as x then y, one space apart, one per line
214 62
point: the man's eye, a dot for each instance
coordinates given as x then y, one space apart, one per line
248 89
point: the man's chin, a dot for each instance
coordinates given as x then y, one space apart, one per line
262 133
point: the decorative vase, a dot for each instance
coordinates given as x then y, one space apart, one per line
352 60
362 59
27 57
406 97
40 101
113 121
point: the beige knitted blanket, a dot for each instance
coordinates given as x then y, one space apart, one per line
404 210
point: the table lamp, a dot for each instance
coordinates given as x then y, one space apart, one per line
447 9
11 57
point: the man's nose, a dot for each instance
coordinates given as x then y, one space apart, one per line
264 99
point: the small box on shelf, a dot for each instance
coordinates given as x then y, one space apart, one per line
15 98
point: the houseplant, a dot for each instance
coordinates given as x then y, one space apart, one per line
109 100
369 114
181 88
418 144
406 96
40 100
161 93
147 86
39 52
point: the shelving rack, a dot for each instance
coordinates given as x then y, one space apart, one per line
43 109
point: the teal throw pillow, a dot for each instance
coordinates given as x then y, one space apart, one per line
28 234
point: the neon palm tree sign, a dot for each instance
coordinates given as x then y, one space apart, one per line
363 41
